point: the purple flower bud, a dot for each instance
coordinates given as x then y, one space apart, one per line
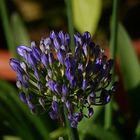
30 104
80 67
74 124
73 82
65 90
70 75
78 116
51 58
47 41
28 97
85 49
78 53
23 97
53 35
114 87
55 106
67 39
31 60
18 84
84 84
70 116
45 60
56 42
98 61
105 96
20 50
86 37
53 115
25 80
22 77
65 93
36 73
15 64
69 61
78 39
36 51
61 55
19 74
62 37
57 88
23 51
97 66
90 112
68 105
91 98
50 74
51 84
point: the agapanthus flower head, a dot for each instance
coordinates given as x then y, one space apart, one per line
52 76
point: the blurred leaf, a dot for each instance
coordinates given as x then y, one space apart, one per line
137 131
86 14
130 69
87 122
20 32
98 132
14 119
11 138
7 27
10 97
58 132
128 60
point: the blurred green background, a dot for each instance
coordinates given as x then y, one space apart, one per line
23 21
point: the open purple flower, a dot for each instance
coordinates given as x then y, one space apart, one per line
56 77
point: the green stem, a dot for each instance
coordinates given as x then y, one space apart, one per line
72 132
7 27
70 23
114 29
113 49
137 131
108 116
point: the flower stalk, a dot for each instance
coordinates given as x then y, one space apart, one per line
70 22
72 132
113 49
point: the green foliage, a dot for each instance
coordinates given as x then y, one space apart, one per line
89 127
21 122
21 36
129 64
130 68
137 131
86 14
11 138
7 27
18 115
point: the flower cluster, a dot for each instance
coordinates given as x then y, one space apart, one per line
51 76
